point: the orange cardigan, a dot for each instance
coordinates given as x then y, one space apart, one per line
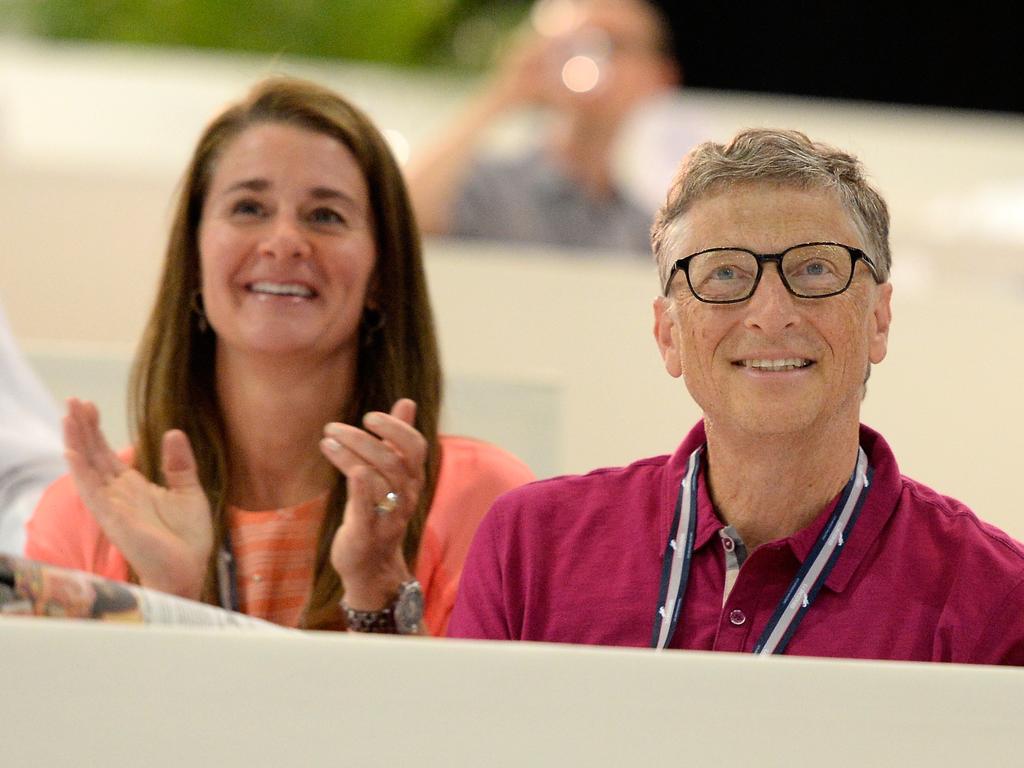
472 475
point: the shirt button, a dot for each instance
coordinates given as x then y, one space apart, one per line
728 544
737 617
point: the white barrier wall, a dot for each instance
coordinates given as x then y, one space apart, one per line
92 694
548 353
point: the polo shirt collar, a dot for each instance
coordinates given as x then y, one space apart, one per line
878 507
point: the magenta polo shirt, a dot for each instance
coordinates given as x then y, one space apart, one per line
578 559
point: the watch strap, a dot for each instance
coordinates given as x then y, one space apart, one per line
383 620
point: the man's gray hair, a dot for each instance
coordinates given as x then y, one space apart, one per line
782 157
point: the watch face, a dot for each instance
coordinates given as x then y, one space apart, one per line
409 608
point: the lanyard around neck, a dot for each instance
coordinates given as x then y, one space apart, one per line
227 577
801 593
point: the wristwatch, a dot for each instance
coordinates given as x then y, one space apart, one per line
402 617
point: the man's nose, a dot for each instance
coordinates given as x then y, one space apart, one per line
772 308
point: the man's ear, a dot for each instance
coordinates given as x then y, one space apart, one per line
665 335
878 344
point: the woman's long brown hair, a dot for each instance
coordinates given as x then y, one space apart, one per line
172 384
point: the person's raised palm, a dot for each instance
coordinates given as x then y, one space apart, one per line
165 533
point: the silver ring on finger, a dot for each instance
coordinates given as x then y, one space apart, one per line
387 504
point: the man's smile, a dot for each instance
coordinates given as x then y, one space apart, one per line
775 364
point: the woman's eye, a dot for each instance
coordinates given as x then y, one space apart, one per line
326 216
724 273
247 208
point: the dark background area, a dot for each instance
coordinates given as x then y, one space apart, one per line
966 55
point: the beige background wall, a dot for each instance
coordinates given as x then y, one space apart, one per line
548 353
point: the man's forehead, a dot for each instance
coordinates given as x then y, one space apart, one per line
764 216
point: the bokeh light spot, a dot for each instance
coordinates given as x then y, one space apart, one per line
580 74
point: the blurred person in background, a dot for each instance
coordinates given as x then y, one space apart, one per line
587 65
286 395
31 456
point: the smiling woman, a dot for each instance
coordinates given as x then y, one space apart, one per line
286 394
287 247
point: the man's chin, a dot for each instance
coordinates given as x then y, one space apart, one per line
765 423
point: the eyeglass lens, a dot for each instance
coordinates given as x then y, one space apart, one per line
810 270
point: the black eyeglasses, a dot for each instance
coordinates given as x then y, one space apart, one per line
808 270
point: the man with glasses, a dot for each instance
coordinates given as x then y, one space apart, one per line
780 524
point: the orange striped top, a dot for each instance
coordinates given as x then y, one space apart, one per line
275 554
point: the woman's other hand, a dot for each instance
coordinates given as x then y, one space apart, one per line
389 456
165 533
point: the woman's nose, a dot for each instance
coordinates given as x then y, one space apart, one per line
285 239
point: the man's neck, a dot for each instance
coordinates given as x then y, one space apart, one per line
275 411
770 486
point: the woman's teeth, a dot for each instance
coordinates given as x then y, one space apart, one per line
282 289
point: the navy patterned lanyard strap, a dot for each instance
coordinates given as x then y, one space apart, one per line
801 593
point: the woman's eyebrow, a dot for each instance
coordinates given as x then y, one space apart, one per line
317 193
329 193
253 185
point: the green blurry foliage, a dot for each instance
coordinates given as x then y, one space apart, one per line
458 33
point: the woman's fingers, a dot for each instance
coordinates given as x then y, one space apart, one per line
178 462
369 450
87 428
76 435
74 449
85 447
368 486
399 430
84 422
405 410
375 465
103 449
367 541
367 483
185 510
87 480
395 447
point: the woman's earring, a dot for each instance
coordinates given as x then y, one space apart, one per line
371 325
196 305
